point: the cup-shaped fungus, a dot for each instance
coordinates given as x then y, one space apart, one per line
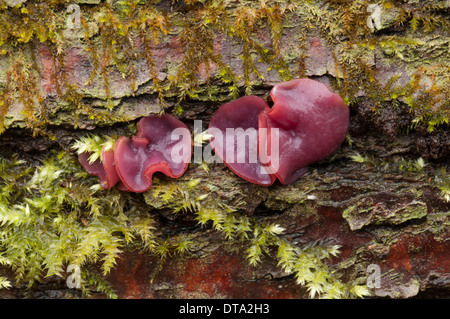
306 124
234 128
312 123
163 144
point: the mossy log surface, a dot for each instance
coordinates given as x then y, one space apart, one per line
383 197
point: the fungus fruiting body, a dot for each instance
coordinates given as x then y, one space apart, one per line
156 148
163 144
259 143
235 130
306 124
312 123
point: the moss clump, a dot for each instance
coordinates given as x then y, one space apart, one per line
52 216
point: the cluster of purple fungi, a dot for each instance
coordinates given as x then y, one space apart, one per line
310 122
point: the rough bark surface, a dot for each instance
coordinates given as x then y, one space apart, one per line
381 210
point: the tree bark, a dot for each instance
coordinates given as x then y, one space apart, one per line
373 197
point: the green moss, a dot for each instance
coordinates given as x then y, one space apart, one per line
51 217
